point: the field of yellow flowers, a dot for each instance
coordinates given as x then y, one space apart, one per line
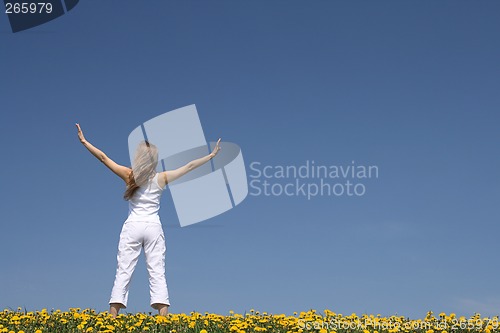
87 320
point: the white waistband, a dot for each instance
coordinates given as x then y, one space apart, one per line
138 218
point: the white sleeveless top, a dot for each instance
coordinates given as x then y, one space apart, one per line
145 204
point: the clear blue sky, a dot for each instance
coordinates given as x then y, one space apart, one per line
408 86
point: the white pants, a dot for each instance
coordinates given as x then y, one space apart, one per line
133 237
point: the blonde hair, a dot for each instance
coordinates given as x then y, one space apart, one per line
143 167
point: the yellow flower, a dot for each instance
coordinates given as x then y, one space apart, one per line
161 320
235 323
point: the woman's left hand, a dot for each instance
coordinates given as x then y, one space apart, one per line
216 148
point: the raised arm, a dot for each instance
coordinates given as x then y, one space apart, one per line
120 170
171 175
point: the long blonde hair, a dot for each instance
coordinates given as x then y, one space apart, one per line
143 167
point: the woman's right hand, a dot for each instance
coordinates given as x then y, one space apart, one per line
80 134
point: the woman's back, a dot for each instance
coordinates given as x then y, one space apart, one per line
145 203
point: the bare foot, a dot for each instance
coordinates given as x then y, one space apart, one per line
162 309
114 308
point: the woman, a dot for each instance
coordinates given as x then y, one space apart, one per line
142 229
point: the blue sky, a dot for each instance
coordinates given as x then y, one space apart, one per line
411 87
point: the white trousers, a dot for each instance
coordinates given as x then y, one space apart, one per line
134 237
